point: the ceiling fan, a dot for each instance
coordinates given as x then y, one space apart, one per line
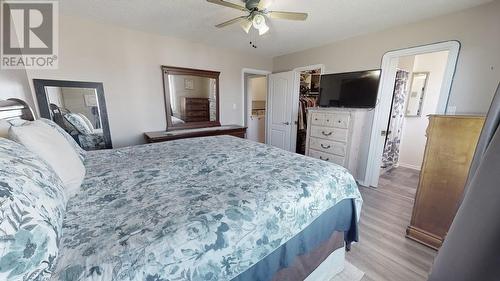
257 14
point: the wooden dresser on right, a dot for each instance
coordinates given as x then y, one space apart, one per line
451 142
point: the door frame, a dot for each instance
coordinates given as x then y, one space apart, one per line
381 117
295 98
244 95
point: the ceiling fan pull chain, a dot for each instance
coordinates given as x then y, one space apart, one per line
255 39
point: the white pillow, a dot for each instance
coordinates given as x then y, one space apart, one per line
6 124
77 122
87 121
52 147
4 128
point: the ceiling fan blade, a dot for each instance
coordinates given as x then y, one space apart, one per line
227 4
287 15
246 25
264 4
229 22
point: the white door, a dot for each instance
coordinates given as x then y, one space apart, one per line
280 109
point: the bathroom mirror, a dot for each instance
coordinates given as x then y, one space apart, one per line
416 94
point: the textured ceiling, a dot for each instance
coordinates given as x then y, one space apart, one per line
329 20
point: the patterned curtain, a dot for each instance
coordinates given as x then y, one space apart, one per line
390 156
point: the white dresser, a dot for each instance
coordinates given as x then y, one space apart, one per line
340 136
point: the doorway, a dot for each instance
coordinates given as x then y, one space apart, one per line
254 103
289 95
415 82
256 111
416 93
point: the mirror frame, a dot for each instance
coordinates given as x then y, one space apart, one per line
43 100
422 96
172 70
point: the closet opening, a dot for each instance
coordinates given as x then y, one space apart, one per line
308 97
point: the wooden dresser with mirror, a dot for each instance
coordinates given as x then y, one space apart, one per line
191 106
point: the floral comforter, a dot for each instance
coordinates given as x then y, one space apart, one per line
193 209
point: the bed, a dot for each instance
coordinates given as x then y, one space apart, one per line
213 208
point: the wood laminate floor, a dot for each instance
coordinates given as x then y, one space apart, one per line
383 252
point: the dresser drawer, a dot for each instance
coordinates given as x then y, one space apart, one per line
339 160
332 147
337 120
328 133
196 113
318 119
196 106
196 101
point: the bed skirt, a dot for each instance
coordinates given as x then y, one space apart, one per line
300 256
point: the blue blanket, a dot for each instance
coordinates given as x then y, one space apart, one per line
194 209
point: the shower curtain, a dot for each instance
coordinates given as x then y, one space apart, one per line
390 156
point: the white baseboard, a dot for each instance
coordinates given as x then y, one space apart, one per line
409 166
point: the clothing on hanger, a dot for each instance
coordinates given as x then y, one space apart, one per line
304 103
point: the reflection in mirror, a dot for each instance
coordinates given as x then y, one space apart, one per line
77 109
191 97
416 94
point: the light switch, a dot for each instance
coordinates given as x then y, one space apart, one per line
234 106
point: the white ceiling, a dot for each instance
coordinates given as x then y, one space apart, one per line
329 20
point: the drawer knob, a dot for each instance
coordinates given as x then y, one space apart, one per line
327 134
340 121
325 146
321 157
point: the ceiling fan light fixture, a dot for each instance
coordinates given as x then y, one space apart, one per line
258 21
264 29
257 13
246 25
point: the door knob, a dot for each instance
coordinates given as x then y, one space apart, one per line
286 123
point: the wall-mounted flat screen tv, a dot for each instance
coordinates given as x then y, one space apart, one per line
351 90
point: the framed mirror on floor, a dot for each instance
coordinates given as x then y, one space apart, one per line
78 107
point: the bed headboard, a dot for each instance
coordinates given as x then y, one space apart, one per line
15 109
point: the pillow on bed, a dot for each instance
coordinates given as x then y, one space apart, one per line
32 210
78 123
70 139
6 124
48 143
87 121
4 128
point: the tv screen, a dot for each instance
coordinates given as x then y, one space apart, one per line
353 89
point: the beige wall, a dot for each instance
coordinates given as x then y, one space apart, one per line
128 63
478 69
14 84
257 88
413 137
